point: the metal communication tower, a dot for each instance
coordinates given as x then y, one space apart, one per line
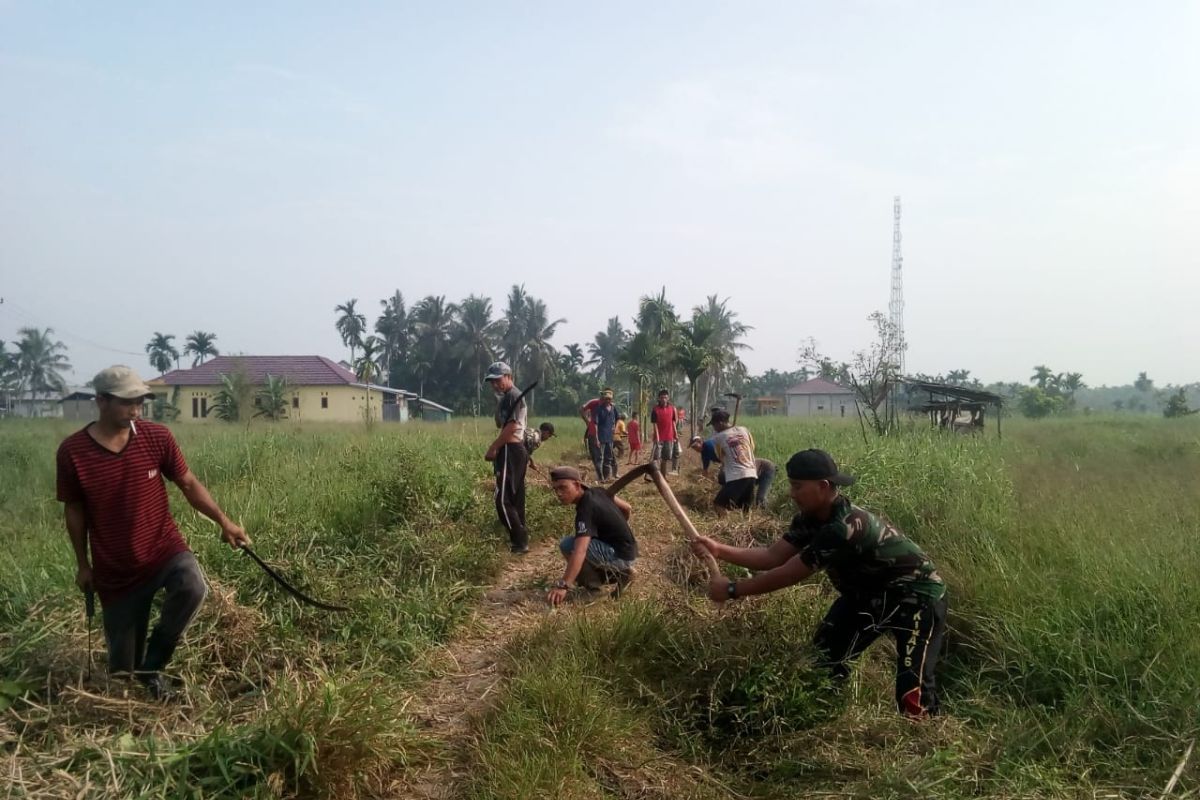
896 306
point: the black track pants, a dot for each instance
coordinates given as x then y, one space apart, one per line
918 626
509 466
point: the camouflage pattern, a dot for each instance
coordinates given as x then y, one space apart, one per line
864 554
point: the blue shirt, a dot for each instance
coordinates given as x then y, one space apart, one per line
605 418
708 453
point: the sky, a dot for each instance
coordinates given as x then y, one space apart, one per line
242 168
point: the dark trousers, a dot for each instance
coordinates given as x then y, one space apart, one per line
127 619
608 458
509 466
918 626
596 453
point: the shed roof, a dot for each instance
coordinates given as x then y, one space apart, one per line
949 390
819 386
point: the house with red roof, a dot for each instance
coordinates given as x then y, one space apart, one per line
317 389
819 398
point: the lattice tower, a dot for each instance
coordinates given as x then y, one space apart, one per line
896 306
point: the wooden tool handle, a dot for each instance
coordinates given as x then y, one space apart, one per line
710 564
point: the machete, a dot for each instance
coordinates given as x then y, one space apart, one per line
287 587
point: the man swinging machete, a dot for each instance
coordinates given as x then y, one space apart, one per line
110 478
886 583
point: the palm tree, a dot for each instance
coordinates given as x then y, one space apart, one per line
727 335
367 367
1041 376
9 377
350 325
200 344
605 349
572 358
641 358
696 352
394 328
541 357
478 335
40 362
434 324
230 400
514 340
656 315
162 352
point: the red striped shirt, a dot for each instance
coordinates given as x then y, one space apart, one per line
130 529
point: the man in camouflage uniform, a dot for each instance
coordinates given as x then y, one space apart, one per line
886 582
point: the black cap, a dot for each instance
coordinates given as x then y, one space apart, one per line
718 415
816 465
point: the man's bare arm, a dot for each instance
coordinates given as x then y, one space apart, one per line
755 558
199 498
76 520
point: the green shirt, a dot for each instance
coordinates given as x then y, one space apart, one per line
864 554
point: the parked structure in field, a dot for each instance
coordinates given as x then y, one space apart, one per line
820 398
954 408
318 389
34 404
80 405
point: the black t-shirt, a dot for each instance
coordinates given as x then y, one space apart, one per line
596 515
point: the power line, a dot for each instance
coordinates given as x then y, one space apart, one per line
34 319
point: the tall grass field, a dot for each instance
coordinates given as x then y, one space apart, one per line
1071 667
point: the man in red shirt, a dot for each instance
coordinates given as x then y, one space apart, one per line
110 478
663 432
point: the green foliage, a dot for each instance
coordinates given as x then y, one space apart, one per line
231 401
201 345
1177 405
162 352
270 401
1036 402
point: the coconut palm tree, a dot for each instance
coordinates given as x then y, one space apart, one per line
541 357
200 344
162 352
350 324
1041 376
40 362
478 336
394 328
727 336
514 339
605 349
434 323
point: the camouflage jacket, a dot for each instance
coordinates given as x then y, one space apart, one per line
864 554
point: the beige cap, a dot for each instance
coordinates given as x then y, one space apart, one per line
121 381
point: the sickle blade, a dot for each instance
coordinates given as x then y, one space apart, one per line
287 587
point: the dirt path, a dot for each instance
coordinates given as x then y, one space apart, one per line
470 668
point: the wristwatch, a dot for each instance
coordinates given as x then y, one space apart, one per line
561 584
731 590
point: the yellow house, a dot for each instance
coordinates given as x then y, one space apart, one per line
318 389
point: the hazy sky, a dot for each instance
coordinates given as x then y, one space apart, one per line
243 167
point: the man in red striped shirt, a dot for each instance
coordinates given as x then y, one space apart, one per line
110 478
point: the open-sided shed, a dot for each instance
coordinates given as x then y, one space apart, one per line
957 408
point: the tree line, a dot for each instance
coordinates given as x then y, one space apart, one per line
440 349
